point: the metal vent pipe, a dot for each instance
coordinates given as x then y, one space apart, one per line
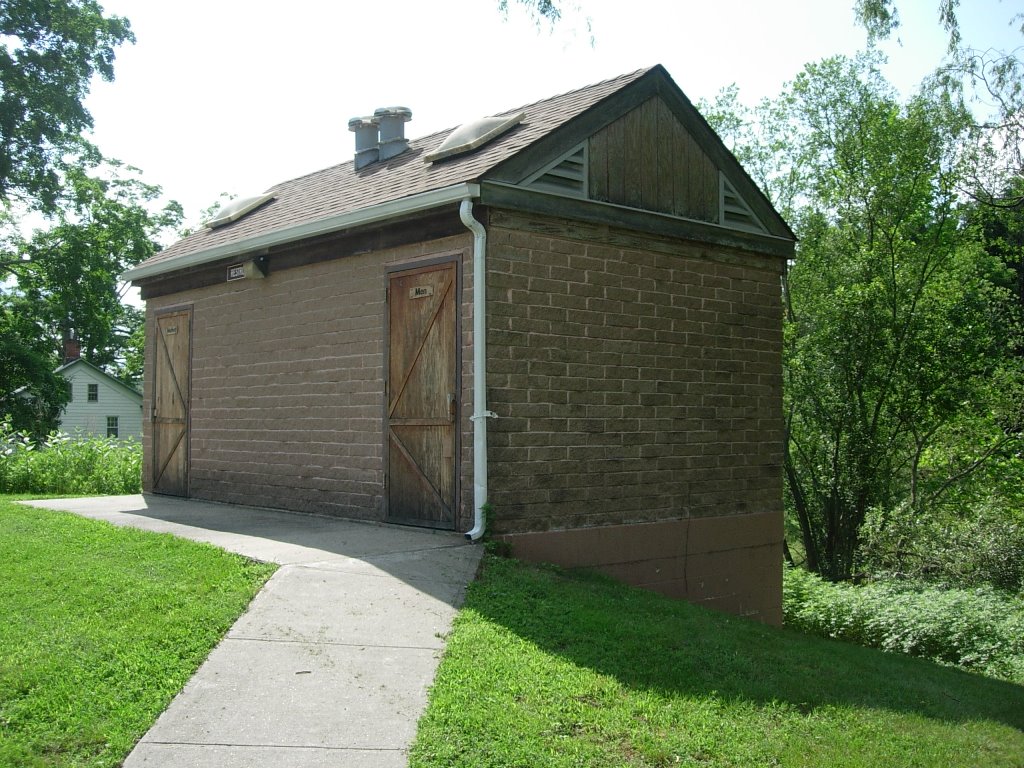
392 122
367 140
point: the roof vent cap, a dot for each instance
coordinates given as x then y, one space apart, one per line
392 122
469 136
367 140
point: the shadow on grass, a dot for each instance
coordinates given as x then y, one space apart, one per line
438 564
646 641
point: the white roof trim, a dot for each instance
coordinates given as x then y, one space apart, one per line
414 203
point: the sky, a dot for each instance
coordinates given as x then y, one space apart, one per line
226 96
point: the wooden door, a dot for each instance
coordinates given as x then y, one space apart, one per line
171 380
422 400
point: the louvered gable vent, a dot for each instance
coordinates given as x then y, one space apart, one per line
566 176
734 210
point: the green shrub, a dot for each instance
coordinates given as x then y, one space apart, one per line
978 629
62 465
983 547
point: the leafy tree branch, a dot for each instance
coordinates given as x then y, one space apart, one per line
49 52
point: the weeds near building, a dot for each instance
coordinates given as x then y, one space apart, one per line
60 464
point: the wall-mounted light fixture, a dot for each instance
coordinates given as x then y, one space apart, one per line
256 269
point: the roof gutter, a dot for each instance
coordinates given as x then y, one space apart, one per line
423 201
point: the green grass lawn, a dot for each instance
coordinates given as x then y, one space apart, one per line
547 668
101 627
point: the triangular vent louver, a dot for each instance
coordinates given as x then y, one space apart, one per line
566 176
735 212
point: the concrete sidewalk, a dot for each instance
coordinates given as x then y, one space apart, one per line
330 664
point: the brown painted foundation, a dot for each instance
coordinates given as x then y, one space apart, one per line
731 563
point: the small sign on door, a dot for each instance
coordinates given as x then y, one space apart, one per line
421 291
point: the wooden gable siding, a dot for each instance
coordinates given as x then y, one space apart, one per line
646 159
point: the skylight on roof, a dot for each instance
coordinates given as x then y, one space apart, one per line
237 208
468 137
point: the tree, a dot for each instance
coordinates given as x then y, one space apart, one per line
30 392
70 273
881 18
896 324
67 277
1002 231
539 10
49 52
980 76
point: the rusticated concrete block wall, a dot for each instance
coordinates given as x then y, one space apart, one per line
288 384
636 380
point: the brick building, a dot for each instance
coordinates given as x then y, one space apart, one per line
315 348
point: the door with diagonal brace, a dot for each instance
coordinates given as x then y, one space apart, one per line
422 396
170 413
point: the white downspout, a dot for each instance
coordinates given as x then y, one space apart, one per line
480 412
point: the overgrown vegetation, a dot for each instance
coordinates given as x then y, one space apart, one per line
102 627
982 549
978 629
59 464
546 667
903 347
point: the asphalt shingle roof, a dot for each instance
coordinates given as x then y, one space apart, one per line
341 189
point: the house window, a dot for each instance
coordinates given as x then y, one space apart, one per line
94 393
112 426
71 392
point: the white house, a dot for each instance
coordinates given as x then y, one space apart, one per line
100 405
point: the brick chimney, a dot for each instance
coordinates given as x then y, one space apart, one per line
72 347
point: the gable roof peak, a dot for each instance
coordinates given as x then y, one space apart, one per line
81 362
340 196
